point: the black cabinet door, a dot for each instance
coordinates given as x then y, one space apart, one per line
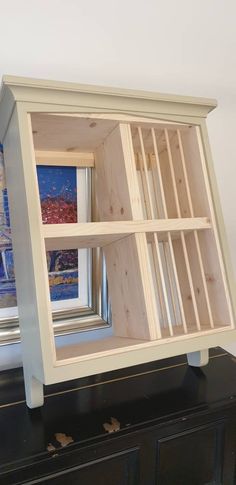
117 469
193 457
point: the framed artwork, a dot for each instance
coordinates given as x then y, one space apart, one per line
64 199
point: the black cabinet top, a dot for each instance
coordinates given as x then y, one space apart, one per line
82 412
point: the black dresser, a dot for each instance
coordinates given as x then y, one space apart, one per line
162 423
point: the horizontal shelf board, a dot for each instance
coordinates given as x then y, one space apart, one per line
102 345
98 234
65 158
71 354
69 241
191 330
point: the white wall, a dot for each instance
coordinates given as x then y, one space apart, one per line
175 46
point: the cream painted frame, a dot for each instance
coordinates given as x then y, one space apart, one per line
22 96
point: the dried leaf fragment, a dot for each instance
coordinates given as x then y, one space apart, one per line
50 447
113 426
63 439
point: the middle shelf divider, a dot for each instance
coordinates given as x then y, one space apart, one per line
94 234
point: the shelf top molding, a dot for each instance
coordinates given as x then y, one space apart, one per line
88 98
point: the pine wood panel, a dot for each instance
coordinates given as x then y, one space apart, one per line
98 234
127 260
65 158
134 312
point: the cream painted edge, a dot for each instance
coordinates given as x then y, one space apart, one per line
220 224
40 339
95 111
145 353
13 81
16 89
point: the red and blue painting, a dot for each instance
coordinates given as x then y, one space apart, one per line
58 197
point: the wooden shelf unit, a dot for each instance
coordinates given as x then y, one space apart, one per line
157 221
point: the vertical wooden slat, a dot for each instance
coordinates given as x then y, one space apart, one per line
199 255
180 300
163 244
157 161
159 286
150 215
150 209
170 279
144 188
157 194
156 242
186 258
157 200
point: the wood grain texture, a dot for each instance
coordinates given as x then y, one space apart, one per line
98 234
67 134
67 159
116 178
134 312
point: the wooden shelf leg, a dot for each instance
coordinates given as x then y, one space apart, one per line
33 391
198 358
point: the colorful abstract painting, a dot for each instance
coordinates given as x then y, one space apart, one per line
58 195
